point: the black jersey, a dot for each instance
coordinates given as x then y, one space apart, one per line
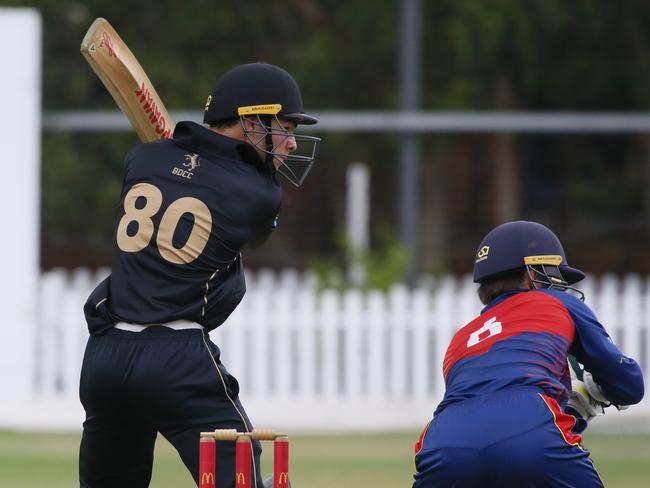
187 208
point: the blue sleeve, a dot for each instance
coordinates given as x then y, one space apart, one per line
619 376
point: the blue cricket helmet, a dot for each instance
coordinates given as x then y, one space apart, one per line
521 245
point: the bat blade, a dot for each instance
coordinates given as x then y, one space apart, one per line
126 81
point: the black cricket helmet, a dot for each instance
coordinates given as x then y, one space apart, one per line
260 93
525 245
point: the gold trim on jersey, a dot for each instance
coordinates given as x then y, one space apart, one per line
212 276
232 402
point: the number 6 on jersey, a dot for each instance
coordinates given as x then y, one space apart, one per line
491 326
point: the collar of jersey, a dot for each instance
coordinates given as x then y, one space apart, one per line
502 297
199 139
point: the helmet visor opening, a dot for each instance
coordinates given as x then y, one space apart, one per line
293 166
549 276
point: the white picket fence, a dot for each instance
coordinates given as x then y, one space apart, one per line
318 360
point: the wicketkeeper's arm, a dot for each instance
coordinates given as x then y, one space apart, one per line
619 377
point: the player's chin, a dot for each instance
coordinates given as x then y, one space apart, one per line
279 159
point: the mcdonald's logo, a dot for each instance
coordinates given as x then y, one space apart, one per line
207 479
283 478
240 479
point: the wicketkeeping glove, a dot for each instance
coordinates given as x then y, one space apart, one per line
582 403
578 373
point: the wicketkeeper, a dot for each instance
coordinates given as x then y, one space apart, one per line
509 416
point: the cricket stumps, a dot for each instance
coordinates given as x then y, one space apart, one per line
208 463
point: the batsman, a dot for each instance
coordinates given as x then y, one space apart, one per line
188 207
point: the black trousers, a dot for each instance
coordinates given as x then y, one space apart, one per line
136 384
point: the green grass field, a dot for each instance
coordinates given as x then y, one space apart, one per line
30 460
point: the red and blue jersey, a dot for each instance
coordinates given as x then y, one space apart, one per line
522 339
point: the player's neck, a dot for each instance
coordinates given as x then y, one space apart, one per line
232 132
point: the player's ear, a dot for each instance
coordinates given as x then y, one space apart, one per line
248 124
527 282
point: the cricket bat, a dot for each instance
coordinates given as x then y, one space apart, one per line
126 81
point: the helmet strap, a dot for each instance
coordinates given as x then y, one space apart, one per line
268 138
264 121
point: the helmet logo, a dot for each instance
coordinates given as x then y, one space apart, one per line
553 260
483 254
207 103
270 109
